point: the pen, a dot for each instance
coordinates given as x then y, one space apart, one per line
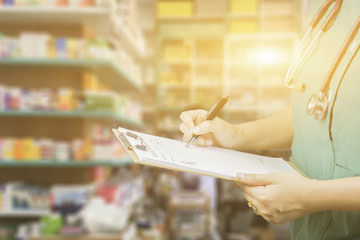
211 115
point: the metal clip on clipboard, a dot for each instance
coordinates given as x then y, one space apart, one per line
128 147
126 143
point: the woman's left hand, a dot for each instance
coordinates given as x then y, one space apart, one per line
277 197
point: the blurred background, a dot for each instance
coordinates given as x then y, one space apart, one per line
70 70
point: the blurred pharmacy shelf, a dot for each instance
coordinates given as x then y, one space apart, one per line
64 15
112 33
67 163
23 213
71 114
137 48
236 48
106 69
96 18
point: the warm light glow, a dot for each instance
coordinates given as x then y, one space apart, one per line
266 56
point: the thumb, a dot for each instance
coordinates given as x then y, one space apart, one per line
207 127
255 179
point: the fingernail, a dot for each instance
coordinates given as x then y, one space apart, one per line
201 141
196 130
208 142
241 176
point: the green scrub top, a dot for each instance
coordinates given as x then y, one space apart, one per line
329 148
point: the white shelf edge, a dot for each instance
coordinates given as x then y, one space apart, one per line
23 213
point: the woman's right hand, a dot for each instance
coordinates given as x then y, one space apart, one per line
214 132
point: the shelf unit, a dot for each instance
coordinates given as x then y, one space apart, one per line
23 213
261 39
67 15
28 163
37 73
251 79
189 68
77 114
93 18
107 70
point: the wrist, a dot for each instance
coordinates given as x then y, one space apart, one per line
239 131
313 197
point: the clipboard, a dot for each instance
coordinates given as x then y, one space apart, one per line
130 150
136 147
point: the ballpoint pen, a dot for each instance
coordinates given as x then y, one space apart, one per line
211 115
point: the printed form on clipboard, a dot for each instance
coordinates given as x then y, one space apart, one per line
212 161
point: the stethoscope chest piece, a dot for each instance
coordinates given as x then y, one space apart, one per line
317 106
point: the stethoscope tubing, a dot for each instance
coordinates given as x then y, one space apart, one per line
353 32
324 27
318 104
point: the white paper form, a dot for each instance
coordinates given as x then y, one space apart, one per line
218 162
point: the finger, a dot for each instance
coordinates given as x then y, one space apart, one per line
253 204
248 197
201 141
208 143
186 138
187 119
254 191
207 126
190 118
185 131
194 114
255 179
248 192
201 116
207 139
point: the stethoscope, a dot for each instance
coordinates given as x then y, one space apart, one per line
318 104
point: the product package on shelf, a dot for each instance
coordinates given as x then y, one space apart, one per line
244 26
69 210
123 194
43 45
76 196
107 101
30 149
67 99
174 9
103 209
40 45
243 6
16 196
177 51
17 98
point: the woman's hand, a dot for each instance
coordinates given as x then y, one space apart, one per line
278 197
214 132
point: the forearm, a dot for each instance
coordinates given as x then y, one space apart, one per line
274 132
338 194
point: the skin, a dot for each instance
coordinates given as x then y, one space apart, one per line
277 197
